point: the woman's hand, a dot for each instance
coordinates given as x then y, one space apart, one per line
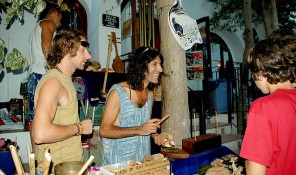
149 127
163 139
157 139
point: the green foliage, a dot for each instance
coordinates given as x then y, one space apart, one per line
2 50
2 53
13 60
229 14
16 8
203 169
287 14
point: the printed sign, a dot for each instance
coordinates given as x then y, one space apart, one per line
110 21
183 28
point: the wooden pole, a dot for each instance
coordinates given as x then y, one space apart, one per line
194 122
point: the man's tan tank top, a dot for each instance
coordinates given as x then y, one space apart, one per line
69 149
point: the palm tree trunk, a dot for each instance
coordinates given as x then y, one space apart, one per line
249 42
269 16
174 85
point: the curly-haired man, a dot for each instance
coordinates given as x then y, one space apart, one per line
56 124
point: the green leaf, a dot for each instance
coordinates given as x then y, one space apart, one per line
15 8
1 68
14 60
2 42
8 19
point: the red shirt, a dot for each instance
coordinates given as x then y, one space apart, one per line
270 137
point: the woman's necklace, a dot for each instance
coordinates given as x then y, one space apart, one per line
58 69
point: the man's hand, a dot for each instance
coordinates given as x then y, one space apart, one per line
86 126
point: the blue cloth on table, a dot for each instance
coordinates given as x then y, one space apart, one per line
191 165
6 163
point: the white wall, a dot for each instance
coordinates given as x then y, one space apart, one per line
126 43
15 37
93 30
112 8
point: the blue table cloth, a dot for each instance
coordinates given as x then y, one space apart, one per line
191 165
6 163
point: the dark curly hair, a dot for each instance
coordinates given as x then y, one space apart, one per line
138 65
50 8
274 58
66 41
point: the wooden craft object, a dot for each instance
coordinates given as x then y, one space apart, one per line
46 163
195 145
117 65
174 153
103 92
164 118
87 163
16 160
2 173
32 164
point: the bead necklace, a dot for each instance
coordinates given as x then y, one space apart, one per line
58 69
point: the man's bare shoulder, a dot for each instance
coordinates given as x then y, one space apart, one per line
51 84
47 23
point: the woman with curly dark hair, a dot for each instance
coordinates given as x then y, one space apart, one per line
269 141
127 125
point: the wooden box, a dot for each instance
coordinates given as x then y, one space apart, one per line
153 167
201 143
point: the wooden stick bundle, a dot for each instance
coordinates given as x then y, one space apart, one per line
32 164
46 163
28 152
2 173
87 163
16 160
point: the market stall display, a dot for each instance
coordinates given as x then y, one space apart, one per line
200 163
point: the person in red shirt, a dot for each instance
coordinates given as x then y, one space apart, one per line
270 139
